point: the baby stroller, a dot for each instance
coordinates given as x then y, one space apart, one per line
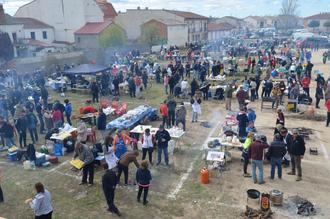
219 94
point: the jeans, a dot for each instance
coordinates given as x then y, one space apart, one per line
183 121
276 162
122 168
42 124
33 134
145 193
9 142
253 94
22 138
160 151
194 116
171 118
165 121
296 163
88 170
144 153
259 164
109 196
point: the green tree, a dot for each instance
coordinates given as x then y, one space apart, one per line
151 36
6 47
327 25
314 24
113 36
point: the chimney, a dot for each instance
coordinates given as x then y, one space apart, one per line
147 8
138 8
2 14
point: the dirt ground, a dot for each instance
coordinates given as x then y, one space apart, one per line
176 191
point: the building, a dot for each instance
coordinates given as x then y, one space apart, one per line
217 31
322 18
132 19
26 34
256 22
88 36
67 16
238 23
171 32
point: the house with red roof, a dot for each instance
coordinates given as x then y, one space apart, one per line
217 31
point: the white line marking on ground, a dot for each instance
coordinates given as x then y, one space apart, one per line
184 177
325 152
58 166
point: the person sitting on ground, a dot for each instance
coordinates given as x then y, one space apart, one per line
143 178
123 164
276 153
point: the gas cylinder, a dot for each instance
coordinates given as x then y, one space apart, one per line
204 175
265 201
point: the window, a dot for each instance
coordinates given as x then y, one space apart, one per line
14 35
78 39
33 35
44 35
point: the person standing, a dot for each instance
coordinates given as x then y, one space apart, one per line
48 120
171 104
166 80
243 122
256 152
287 139
163 109
95 92
143 178
21 126
1 193
131 86
253 87
196 108
147 145
85 155
40 111
181 114
68 111
241 96
32 126
109 154
305 83
119 143
229 95
193 86
298 151
109 183
162 139
41 203
57 118
276 153
280 119
327 105
124 161
8 133
245 156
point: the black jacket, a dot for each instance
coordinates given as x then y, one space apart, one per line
7 130
277 149
109 180
163 137
21 124
288 139
143 176
102 121
298 146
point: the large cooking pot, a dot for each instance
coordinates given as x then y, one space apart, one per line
253 193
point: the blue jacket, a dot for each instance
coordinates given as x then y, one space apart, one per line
143 176
68 109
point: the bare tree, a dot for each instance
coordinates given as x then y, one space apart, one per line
289 7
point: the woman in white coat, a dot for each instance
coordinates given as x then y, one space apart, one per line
109 154
147 145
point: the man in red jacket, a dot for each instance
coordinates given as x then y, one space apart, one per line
163 109
327 104
305 84
256 153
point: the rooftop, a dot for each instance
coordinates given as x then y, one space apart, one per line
94 27
219 26
321 16
169 22
107 8
28 23
187 15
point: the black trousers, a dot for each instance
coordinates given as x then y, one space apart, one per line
144 153
22 139
33 134
328 118
68 119
317 102
145 193
165 121
95 98
122 168
45 216
42 123
246 163
109 196
1 195
132 92
88 170
171 118
306 89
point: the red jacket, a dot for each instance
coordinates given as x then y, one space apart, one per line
57 115
163 109
327 104
256 150
305 82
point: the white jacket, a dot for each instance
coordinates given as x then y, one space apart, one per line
147 141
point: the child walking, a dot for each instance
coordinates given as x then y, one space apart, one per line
143 178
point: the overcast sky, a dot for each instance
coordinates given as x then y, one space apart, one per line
216 8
